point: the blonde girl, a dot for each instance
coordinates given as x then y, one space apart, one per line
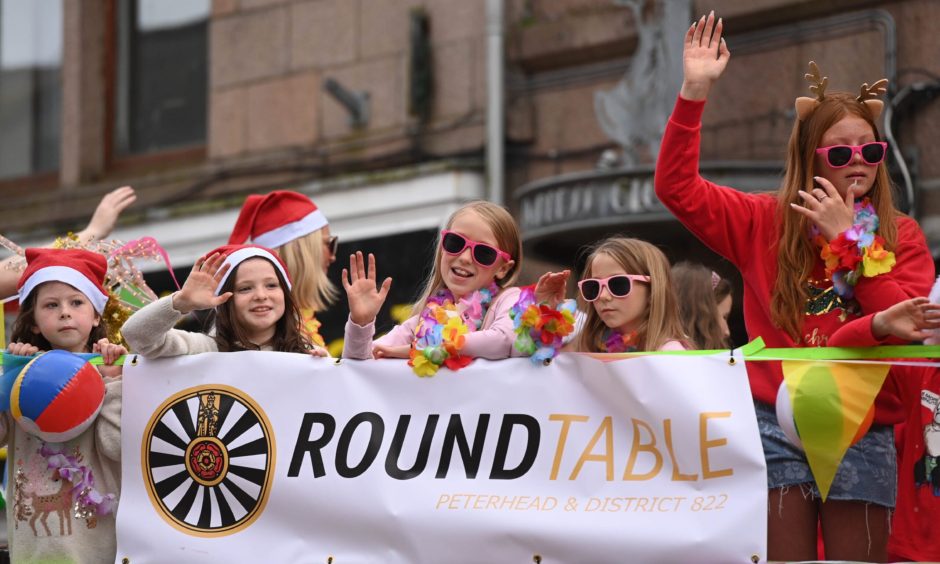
626 294
463 310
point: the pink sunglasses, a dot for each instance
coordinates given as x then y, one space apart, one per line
619 285
483 254
839 156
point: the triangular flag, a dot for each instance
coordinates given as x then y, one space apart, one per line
830 400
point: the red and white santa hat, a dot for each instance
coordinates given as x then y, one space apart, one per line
276 218
237 254
81 269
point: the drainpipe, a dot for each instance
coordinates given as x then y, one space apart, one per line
495 111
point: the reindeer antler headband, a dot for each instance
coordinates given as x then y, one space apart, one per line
817 85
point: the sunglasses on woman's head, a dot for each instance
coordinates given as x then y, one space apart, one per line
483 254
839 156
619 285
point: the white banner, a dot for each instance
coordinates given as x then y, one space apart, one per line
271 457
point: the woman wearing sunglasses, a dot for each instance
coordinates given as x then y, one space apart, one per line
826 248
291 224
463 312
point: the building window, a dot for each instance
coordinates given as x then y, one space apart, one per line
30 86
161 75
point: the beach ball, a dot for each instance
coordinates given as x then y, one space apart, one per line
788 423
56 396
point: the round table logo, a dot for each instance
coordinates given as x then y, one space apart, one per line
208 460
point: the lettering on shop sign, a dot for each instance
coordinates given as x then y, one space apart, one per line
589 199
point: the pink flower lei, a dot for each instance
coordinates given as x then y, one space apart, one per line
540 329
856 252
617 342
439 337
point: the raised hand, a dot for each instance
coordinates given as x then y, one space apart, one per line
106 214
551 287
365 300
198 292
828 210
704 57
910 320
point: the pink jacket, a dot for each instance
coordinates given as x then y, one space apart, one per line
493 341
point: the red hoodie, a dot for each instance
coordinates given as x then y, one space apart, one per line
742 228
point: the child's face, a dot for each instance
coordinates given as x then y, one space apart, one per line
462 275
850 130
64 316
724 310
623 314
259 299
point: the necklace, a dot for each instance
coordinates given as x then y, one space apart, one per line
856 252
617 342
439 336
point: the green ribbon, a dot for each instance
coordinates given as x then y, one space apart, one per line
757 351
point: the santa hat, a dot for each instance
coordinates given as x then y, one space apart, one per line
275 219
237 254
81 269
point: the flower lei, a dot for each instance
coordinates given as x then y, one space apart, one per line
540 329
89 502
856 252
439 337
617 342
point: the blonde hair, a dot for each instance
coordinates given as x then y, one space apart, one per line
506 232
699 296
660 323
796 253
303 256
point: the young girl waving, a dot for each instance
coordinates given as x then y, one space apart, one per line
61 497
463 312
826 248
292 225
250 290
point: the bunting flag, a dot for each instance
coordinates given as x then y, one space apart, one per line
830 401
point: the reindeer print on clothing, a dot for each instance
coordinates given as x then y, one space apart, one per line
58 503
54 481
41 493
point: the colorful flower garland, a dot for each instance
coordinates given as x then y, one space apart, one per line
439 337
617 342
856 252
540 329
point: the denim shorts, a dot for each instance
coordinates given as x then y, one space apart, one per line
868 472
